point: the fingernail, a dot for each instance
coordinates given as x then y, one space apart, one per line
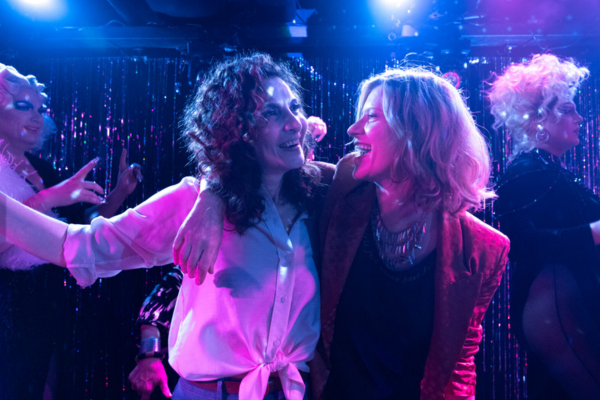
96 160
102 199
140 179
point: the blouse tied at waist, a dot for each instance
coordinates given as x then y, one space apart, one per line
255 384
258 313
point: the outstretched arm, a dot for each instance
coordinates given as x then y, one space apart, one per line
139 238
32 231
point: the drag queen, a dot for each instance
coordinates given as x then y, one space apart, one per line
32 296
551 220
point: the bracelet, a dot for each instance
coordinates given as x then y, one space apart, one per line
149 344
149 348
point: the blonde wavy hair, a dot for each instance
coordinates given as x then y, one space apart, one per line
527 94
11 82
440 150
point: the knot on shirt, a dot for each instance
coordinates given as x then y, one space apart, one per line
279 363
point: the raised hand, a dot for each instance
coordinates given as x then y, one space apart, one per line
317 128
147 375
129 176
198 240
72 190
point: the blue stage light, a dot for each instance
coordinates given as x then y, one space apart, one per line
37 2
395 3
40 10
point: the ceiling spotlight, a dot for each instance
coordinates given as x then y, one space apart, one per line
395 3
37 2
40 10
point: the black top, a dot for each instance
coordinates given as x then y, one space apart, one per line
383 328
546 211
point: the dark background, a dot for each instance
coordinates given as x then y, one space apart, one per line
119 73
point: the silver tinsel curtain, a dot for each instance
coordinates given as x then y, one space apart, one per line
102 105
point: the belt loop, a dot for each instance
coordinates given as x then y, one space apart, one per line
221 394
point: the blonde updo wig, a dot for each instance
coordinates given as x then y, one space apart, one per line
11 81
440 150
527 94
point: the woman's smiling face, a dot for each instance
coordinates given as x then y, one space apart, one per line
21 121
278 144
376 142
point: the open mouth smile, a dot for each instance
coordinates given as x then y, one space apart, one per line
31 129
362 149
290 145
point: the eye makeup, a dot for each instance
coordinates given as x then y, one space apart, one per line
25 105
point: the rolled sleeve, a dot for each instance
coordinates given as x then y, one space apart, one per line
139 238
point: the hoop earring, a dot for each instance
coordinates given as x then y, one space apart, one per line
541 135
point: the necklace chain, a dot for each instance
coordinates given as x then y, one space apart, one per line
396 248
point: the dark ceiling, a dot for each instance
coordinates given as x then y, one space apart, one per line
205 27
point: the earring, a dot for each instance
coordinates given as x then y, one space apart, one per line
541 134
246 138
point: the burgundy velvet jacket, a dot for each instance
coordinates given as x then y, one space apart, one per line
471 257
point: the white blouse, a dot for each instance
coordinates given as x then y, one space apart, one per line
257 314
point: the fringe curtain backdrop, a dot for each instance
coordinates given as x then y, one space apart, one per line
102 105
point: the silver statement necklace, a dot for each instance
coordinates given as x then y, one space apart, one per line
397 248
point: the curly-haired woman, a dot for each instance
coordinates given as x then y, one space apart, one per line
552 222
253 325
407 273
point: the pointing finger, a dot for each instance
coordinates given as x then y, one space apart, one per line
123 161
82 173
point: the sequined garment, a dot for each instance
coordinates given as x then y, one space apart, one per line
545 211
158 307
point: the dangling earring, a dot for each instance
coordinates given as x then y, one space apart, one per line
541 134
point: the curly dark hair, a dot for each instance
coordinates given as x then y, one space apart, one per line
221 121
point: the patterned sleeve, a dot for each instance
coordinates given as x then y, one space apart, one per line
158 307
